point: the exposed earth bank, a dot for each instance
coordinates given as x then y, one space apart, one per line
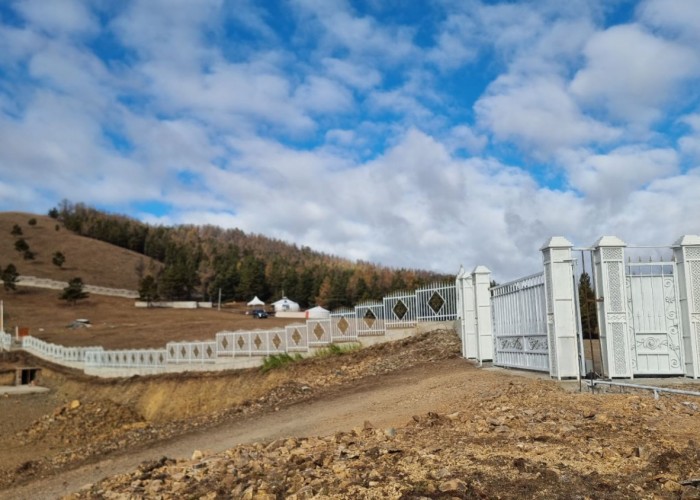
406 420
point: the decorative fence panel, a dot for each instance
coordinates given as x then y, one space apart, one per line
191 352
297 338
242 345
277 341
520 324
259 343
140 358
437 302
319 331
225 343
370 319
78 354
400 310
343 325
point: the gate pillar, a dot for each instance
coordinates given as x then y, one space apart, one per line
561 308
481 278
467 314
687 254
611 296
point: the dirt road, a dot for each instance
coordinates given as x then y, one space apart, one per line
387 401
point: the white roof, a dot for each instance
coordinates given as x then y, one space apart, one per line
283 300
318 312
256 302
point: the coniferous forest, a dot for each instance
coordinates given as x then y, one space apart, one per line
188 261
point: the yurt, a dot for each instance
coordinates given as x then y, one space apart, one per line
285 305
318 312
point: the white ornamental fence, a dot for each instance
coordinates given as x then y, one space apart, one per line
133 358
437 302
57 352
520 324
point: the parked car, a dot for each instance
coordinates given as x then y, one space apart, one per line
259 313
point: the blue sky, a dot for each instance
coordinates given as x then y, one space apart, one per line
420 134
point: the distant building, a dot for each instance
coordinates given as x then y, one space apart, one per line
285 305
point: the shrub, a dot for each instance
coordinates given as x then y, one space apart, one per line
16 230
279 360
58 259
336 350
32 221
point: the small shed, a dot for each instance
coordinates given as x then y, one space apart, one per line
318 312
286 305
256 302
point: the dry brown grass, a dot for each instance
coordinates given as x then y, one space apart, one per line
116 323
98 263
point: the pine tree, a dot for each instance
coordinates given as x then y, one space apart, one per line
148 289
74 291
588 304
9 277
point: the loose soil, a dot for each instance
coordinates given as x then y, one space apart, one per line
403 420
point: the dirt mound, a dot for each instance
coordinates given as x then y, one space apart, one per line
529 439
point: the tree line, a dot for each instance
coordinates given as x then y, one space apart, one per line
192 261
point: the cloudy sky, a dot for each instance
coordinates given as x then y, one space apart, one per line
423 134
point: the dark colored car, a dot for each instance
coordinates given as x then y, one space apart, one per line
259 313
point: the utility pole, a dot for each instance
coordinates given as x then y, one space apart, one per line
2 317
219 299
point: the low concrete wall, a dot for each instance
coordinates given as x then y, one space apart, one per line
289 314
393 334
181 304
60 285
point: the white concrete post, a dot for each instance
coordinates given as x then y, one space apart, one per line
687 253
467 314
561 308
481 278
611 294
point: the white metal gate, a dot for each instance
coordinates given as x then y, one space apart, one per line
520 324
654 319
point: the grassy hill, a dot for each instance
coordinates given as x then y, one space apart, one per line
97 262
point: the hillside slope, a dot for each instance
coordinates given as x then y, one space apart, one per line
96 262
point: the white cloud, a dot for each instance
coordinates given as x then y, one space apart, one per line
318 94
362 36
631 73
615 175
539 114
207 125
465 138
690 144
676 17
67 17
352 74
